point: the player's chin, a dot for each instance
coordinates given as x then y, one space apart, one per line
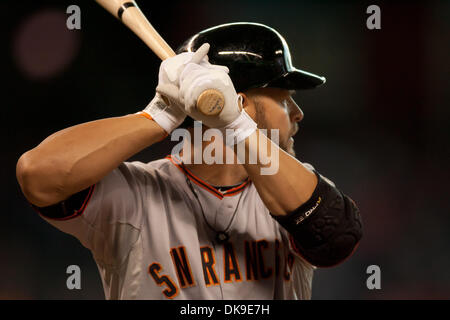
288 147
291 151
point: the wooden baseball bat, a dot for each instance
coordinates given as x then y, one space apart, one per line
209 102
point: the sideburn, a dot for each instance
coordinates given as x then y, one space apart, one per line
260 117
261 121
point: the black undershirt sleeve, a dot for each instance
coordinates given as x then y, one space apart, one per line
70 208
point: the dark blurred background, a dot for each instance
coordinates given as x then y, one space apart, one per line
379 127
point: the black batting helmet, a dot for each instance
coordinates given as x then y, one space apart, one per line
257 56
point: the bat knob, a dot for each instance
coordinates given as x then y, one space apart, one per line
210 102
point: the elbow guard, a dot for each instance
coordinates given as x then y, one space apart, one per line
327 228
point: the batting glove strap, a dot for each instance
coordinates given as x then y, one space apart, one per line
167 117
238 130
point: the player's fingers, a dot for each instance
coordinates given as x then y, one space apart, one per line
169 90
215 67
200 53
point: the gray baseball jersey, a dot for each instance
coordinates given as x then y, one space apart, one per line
151 229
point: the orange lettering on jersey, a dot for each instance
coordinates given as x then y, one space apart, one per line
230 263
171 291
263 244
208 263
182 266
251 261
289 263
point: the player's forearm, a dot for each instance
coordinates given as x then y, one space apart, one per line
77 157
289 183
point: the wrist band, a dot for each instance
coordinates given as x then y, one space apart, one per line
237 131
144 114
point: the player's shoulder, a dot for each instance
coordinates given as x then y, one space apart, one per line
155 165
308 165
311 167
160 169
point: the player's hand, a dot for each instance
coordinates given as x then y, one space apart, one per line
184 77
167 115
167 111
195 78
171 68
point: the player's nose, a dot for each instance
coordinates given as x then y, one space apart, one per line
295 112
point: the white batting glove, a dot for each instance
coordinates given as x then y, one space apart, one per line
168 117
171 68
198 77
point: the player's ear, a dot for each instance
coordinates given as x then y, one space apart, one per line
244 100
240 101
247 103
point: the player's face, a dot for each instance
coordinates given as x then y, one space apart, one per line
273 108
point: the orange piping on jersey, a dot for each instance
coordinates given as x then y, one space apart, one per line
86 201
205 185
162 282
183 277
210 276
77 213
237 189
196 180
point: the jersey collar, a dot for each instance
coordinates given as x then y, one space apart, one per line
205 185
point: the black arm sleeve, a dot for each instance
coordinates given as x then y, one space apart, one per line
70 208
327 228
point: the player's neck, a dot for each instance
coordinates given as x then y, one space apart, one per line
225 174
219 174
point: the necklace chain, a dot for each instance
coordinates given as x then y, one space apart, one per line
221 236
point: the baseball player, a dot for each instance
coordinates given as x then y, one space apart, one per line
179 229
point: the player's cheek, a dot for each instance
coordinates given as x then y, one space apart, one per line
283 127
278 119
285 124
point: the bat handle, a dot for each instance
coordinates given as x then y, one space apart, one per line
211 101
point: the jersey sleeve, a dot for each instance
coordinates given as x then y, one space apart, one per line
108 220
